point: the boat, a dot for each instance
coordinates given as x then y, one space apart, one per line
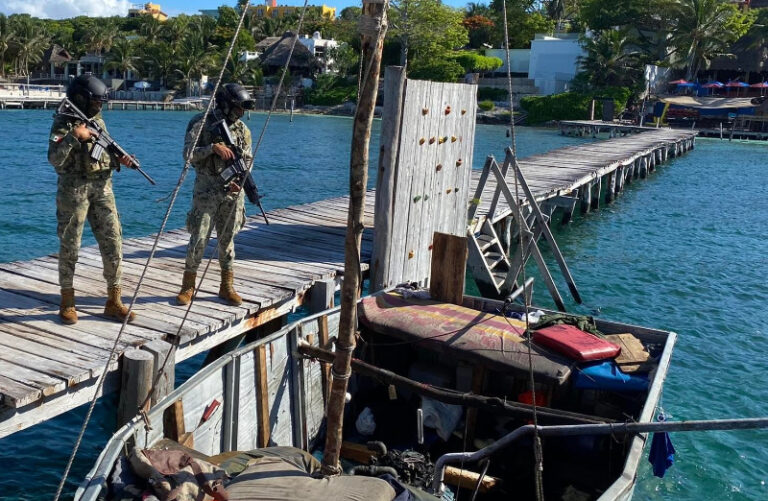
273 393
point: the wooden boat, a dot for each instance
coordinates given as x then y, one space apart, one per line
272 393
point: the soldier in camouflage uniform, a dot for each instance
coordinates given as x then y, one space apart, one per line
215 205
85 192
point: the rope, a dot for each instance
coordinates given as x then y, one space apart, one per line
509 83
112 352
537 449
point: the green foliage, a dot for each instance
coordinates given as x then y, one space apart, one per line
428 28
330 90
473 62
610 61
438 70
492 94
486 105
570 105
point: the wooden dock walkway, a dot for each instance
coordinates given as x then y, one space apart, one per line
47 368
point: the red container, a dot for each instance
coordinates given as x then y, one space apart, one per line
575 343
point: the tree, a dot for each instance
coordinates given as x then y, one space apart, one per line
29 42
6 41
161 61
122 57
426 29
99 39
151 29
610 61
523 22
480 30
703 29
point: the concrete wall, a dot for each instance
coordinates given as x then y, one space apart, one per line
554 62
519 59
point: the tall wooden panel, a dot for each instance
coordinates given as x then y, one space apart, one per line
425 165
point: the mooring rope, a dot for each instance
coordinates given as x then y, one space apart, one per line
537 448
112 352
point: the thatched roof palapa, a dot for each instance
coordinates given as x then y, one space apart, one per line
277 54
56 54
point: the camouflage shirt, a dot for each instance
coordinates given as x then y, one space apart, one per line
70 156
203 159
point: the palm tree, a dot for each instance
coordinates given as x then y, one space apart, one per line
29 41
196 53
161 59
703 29
610 60
122 57
100 38
6 41
151 29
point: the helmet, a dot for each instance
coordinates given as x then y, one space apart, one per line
85 91
233 95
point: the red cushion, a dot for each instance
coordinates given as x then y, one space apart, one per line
575 343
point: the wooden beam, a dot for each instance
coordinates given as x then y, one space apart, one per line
449 267
262 397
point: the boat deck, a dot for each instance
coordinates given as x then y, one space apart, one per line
47 368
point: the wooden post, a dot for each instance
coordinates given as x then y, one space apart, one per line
162 352
321 295
136 382
391 119
610 186
373 29
449 265
262 397
585 197
598 185
592 110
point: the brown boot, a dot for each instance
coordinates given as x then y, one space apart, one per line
227 290
187 288
115 307
67 311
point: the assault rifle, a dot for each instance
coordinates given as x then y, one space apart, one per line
236 169
104 141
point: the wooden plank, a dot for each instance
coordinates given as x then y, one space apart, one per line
449 264
262 396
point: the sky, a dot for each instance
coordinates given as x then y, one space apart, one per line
58 9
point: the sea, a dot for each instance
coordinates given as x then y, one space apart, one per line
685 250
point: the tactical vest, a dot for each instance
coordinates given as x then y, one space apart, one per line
213 164
79 160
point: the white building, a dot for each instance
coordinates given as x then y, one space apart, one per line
554 61
320 48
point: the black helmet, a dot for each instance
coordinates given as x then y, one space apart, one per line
233 94
87 89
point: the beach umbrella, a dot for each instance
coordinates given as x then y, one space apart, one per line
712 85
142 85
678 82
686 84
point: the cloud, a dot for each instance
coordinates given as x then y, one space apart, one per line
60 9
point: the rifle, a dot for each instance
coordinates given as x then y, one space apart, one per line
103 140
236 169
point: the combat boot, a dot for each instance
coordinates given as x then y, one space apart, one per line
115 307
227 290
67 311
187 288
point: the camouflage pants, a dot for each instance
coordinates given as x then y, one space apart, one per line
79 199
213 208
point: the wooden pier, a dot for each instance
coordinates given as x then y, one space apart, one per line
47 368
34 102
594 127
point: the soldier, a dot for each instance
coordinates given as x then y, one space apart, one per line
213 204
85 192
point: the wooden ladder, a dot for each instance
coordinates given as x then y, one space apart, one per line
494 272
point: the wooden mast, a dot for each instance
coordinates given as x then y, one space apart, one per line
373 28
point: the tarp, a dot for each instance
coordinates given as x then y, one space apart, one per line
710 103
466 334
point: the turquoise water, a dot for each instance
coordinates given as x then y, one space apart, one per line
684 250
